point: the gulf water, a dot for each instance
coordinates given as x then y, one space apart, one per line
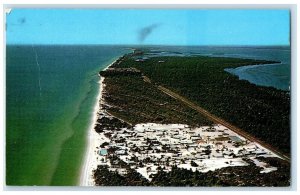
50 94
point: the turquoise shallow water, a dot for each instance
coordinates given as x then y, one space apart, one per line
50 94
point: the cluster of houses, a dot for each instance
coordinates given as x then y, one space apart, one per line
150 147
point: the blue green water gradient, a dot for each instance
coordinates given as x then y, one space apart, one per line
50 94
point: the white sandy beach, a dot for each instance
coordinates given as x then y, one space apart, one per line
93 141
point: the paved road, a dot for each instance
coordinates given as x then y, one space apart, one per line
218 120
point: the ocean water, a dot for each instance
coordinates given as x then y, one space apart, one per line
50 94
271 75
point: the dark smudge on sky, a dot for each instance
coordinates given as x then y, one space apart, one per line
144 32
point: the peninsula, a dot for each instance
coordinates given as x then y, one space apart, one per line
184 121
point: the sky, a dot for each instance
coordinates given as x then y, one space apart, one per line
148 27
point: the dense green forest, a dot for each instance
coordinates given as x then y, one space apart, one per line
262 111
136 101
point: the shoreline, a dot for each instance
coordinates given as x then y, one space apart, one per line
242 72
93 140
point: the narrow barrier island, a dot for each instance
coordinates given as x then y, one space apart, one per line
147 137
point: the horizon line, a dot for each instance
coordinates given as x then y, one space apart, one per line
143 45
